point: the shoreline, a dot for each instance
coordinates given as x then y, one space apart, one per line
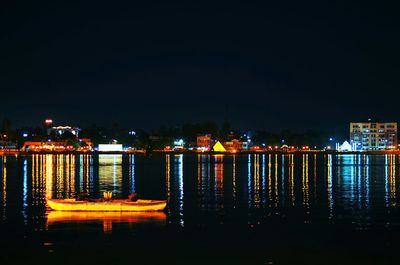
143 152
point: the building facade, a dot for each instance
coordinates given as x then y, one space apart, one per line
373 135
204 142
236 145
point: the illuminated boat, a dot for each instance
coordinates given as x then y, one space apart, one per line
117 205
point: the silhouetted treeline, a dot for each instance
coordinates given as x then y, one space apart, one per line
166 135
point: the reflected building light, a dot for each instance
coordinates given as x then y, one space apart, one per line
179 174
283 179
67 183
110 173
386 182
249 186
292 196
276 182
25 192
168 177
305 188
219 173
4 186
60 188
49 176
81 174
315 177
234 178
263 183
256 180
87 171
359 184
199 176
132 173
270 180
392 180
35 171
367 178
205 177
346 173
91 173
72 175
329 186
200 183
352 177
114 176
363 188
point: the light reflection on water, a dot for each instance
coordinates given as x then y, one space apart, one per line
356 189
3 162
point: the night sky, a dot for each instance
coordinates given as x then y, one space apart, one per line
271 66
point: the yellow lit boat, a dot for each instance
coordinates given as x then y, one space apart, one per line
107 206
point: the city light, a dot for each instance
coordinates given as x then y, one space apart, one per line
48 121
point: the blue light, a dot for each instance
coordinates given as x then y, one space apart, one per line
25 135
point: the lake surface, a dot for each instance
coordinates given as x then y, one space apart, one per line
222 209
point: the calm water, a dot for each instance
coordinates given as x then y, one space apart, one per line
258 209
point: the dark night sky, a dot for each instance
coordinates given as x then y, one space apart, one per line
272 65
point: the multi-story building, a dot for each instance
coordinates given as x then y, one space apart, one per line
373 135
236 145
204 142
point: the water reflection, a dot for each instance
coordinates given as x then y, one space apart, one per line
305 183
218 180
390 180
132 174
106 219
3 164
256 198
292 196
175 189
110 174
212 188
263 181
234 189
329 185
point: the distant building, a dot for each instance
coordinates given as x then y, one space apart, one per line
373 135
204 142
179 145
61 130
345 147
236 145
46 146
86 144
110 148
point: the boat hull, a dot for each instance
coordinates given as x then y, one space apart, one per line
108 206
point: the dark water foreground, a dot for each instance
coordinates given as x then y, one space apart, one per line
245 209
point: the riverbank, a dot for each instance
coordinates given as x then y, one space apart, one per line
146 152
